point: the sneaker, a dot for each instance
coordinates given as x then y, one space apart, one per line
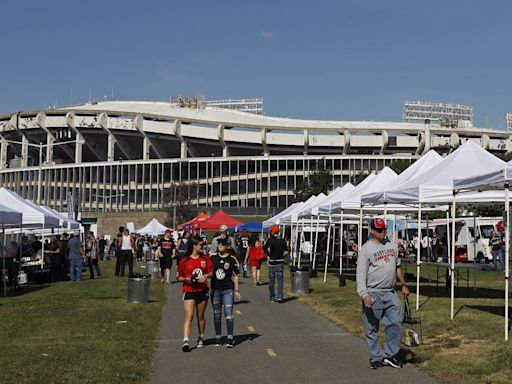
272 301
230 343
200 343
259 284
376 364
218 341
392 361
280 301
186 346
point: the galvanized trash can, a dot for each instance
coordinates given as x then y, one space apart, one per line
153 269
138 288
300 280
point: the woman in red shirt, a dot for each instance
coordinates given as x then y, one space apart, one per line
256 258
194 271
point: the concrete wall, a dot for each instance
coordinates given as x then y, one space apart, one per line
108 223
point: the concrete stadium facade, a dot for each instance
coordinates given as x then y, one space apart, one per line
120 156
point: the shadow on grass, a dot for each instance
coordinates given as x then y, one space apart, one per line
442 291
407 356
107 298
25 290
492 309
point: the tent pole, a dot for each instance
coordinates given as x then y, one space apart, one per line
42 248
448 248
452 294
3 262
341 244
302 238
328 247
316 239
360 230
418 260
507 255
310 241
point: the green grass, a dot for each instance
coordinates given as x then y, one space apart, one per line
68 332
469 349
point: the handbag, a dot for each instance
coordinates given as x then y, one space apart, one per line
411 327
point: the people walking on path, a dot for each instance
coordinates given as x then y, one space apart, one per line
224 290
378 267
277 250
126 246
76 261
195 270
256 256
117 250
182 248
167 251
92 253
223 229
496 243
243 247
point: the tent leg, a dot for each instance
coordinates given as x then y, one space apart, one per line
507 255
3 262
316 240
418 261
328 249
452 279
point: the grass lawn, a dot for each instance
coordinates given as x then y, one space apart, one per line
468 349
79 332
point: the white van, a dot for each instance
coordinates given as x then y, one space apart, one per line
471 244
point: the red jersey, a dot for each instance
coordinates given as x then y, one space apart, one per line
200 266
257 253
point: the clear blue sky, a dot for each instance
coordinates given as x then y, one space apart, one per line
327 59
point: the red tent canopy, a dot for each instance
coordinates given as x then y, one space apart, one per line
217 219
193 223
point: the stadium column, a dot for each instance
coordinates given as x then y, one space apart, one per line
176 129
427 136
220 135
346 142
3 152
139 126
264 141
306 142
50 139
103 121
24 151
70 122
385 140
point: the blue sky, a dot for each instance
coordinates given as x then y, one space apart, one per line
323 59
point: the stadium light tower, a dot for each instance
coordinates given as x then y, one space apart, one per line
451 115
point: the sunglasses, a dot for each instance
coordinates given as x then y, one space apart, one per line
379 230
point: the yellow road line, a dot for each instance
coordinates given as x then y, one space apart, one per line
238 312
251 329
270 352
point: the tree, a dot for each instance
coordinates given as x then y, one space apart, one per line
320 180
400 165
181 202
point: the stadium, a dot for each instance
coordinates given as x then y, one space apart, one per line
120 156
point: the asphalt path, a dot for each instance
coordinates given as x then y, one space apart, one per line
275 343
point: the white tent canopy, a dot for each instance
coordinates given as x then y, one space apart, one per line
335 196
327 208
276 219
152 228
385 178
423 164
10 217
436 184
32 214
65 222
291 216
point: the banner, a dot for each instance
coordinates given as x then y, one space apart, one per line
77 203
71 211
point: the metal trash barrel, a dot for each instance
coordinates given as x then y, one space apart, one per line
138 289
153 269
300 280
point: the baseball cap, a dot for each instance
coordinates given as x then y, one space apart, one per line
378 223
223 241
168 231
274 229
223 228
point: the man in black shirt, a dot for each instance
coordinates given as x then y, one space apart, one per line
167 252
277 250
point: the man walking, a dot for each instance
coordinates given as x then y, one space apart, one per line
223 229
92 255
277 250
76 261
378 266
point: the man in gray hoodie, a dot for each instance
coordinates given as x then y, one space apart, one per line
378 266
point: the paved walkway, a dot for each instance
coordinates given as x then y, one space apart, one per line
275 343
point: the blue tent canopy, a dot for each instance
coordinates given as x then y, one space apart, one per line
251 226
